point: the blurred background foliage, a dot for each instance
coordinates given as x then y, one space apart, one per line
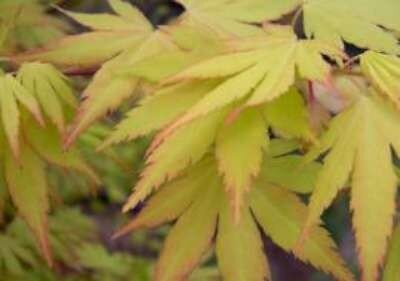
87 215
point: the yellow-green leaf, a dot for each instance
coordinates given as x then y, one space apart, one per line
261 68
10 115
191 236
365 24
26 182
359 141
172 199
184 147
281 214
384 72
158 110
239 152
288 115
239 247
108 89
49 147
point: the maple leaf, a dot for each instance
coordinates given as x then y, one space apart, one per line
384 72
122 77
111 35
228 18
49 147
167 161
238 148
239 247
12 93
366 26
26 182
50 88
198 200
370 25
195 44
392 272
281 214
201 221
248 127
13 255
259 69
180 193
358 140
26 25
168 104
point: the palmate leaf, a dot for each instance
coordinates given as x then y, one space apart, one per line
195 44
26 182
231 18
69 229
110 36
194 232
238 148
359 140
239 246
281 214
172 49
392 269
226 128
11 95
108 88
49 147
158 110
183 148
14 255
27 25
384 72
370 25
366 25
180 193
50 88
260 69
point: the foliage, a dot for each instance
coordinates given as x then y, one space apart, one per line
242 106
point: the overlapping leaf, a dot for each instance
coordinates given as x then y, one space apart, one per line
11 95
370 26
231 18
50 88
366 26
359 140
26 25
239 149
121 77
28 188
239 246
259 69
189 143
158 110
281 215
384 72
111 35
185 147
